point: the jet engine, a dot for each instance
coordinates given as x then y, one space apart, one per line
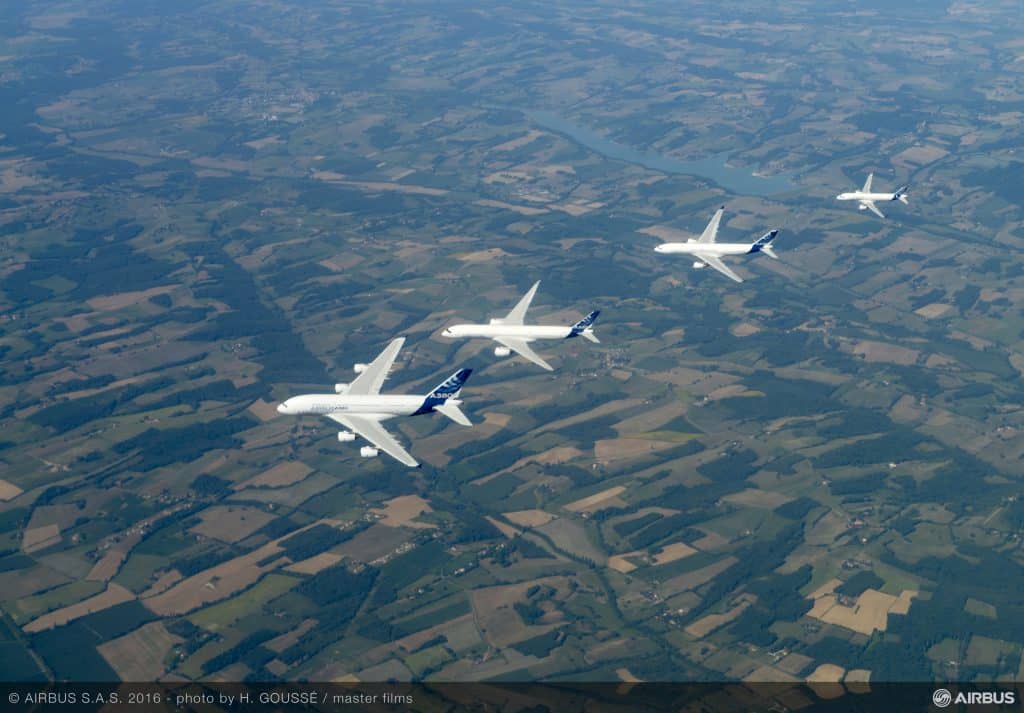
346 436
340 388
861 206
368 452
359 368
698 265
502 351
496 320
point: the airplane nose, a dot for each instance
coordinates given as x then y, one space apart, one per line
281 408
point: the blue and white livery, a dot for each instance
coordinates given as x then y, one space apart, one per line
866 199
514 336
708 252
360 407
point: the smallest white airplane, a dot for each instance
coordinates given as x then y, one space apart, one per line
514 336
866 199
707 251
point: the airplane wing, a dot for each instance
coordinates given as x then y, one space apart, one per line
870 205
372 378
711 231
714 262
518 313
372 430
521 348
867 184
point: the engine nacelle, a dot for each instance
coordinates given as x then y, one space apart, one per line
359 368
368 452
861 206
340 388
497 320
502 351
698 265
346 436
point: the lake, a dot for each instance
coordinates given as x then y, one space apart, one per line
714 168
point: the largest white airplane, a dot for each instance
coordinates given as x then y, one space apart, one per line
866 199
514 336
360 407
707 251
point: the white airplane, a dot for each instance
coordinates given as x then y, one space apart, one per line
708 252
866 198
360 407
514 336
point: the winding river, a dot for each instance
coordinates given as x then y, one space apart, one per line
714 168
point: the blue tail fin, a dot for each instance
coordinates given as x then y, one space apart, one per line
584 323
450 387
763 242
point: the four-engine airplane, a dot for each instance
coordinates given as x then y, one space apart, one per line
707 251
866 199
360 407
514 336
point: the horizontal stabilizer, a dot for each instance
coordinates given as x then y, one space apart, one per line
452 411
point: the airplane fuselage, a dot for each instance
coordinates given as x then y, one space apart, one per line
382 406
693 248
512 331
862 196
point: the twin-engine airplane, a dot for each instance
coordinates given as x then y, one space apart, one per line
866 199
514 336
708 252
360 407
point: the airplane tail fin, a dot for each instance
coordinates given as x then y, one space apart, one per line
583 328
901 194
451 410
763 244
450 387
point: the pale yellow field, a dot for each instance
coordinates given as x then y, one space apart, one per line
625 676
621 448
498 622
755 498
126 299
869 613
401 511
522 209
529 518
221 581
593 501
935 309
315 563
620 563
279 476
744 329
825 681
231 523
114 594
673 552
705 625
39 537
507 530
9 491
289 638
139 655
882 352
263 410
107 567
519 141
